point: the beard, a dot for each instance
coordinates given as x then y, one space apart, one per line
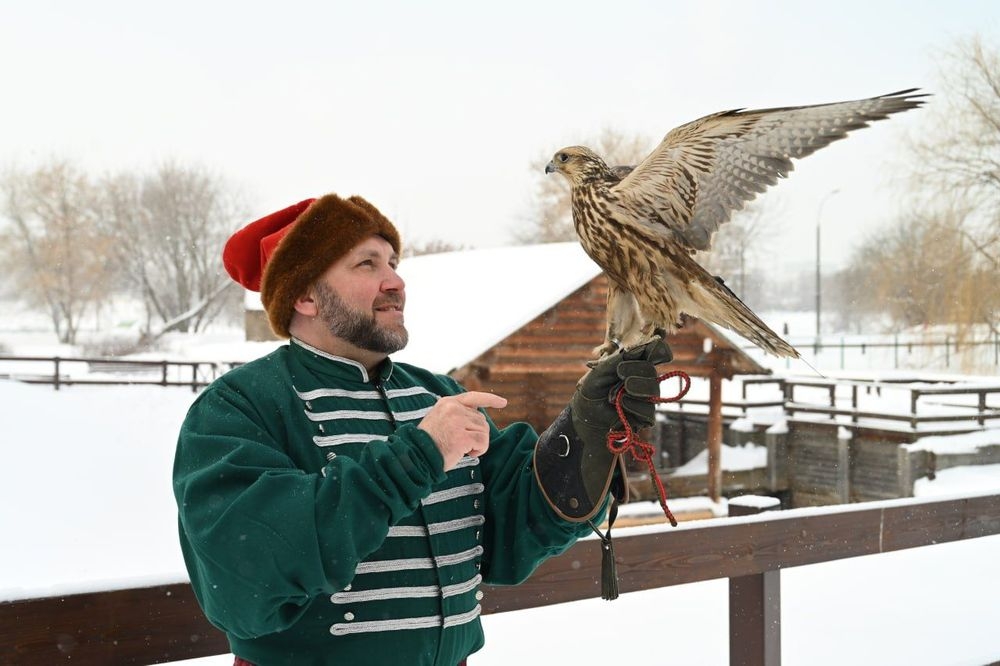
357 327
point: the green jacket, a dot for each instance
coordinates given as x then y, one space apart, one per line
317 524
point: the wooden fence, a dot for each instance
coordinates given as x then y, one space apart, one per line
163 623
917 388
948 346
157 373
197 374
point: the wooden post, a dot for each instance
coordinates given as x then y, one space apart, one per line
844 465
904 472
755 620
714 444
754 603
777 464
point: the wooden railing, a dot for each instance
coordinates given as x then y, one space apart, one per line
837 404
163 623
947 345
195 374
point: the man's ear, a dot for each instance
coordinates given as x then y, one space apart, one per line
306 304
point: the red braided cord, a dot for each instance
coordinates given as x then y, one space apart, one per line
620 441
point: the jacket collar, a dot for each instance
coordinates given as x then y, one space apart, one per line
338 366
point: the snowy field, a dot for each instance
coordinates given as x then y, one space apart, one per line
87 505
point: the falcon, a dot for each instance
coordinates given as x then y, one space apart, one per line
643 224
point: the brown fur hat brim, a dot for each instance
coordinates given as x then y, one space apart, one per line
323 233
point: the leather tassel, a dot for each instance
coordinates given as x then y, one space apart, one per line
609 570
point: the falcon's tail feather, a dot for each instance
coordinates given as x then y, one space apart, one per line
723 307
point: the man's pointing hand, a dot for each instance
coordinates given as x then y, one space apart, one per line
458 427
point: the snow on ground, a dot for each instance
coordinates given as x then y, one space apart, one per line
965 443
734 459
85 490
970 479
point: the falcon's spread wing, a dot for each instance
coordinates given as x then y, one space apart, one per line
642 224
705 170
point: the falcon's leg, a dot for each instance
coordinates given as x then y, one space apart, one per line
624 321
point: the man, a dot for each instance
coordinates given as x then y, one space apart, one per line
338 508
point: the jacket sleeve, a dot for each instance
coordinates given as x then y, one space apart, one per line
521 529
260 536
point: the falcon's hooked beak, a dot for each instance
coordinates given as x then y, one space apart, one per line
551 167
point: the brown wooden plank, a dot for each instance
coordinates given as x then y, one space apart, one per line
134 626
755 620
907 526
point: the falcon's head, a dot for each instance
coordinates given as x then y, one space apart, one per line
578 164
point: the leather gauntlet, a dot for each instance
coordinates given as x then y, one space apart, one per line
573 465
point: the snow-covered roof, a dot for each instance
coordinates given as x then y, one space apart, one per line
473 299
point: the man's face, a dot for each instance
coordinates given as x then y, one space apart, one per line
360 298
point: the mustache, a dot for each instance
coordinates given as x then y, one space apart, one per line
394 300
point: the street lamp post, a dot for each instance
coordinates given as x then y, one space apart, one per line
819 218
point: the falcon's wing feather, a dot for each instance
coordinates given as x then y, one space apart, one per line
707 169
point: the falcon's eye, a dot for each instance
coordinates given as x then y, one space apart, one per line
562 157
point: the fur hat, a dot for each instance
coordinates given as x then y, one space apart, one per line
282 254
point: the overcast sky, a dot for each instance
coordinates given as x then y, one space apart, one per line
434 111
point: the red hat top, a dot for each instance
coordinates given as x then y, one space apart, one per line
247 251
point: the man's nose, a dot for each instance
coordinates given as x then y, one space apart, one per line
394 282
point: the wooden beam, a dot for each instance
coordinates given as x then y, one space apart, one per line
755 620
135 626
715 437
754 606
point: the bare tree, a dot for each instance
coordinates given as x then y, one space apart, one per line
956 172
171 226
53 247
549 218
921 271
960 157
434 246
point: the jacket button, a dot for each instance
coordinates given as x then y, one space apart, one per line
475 504
309 405
321 428
472 474
477 535
348 616
331 455
348 588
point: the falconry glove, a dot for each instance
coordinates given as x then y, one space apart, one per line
573 464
